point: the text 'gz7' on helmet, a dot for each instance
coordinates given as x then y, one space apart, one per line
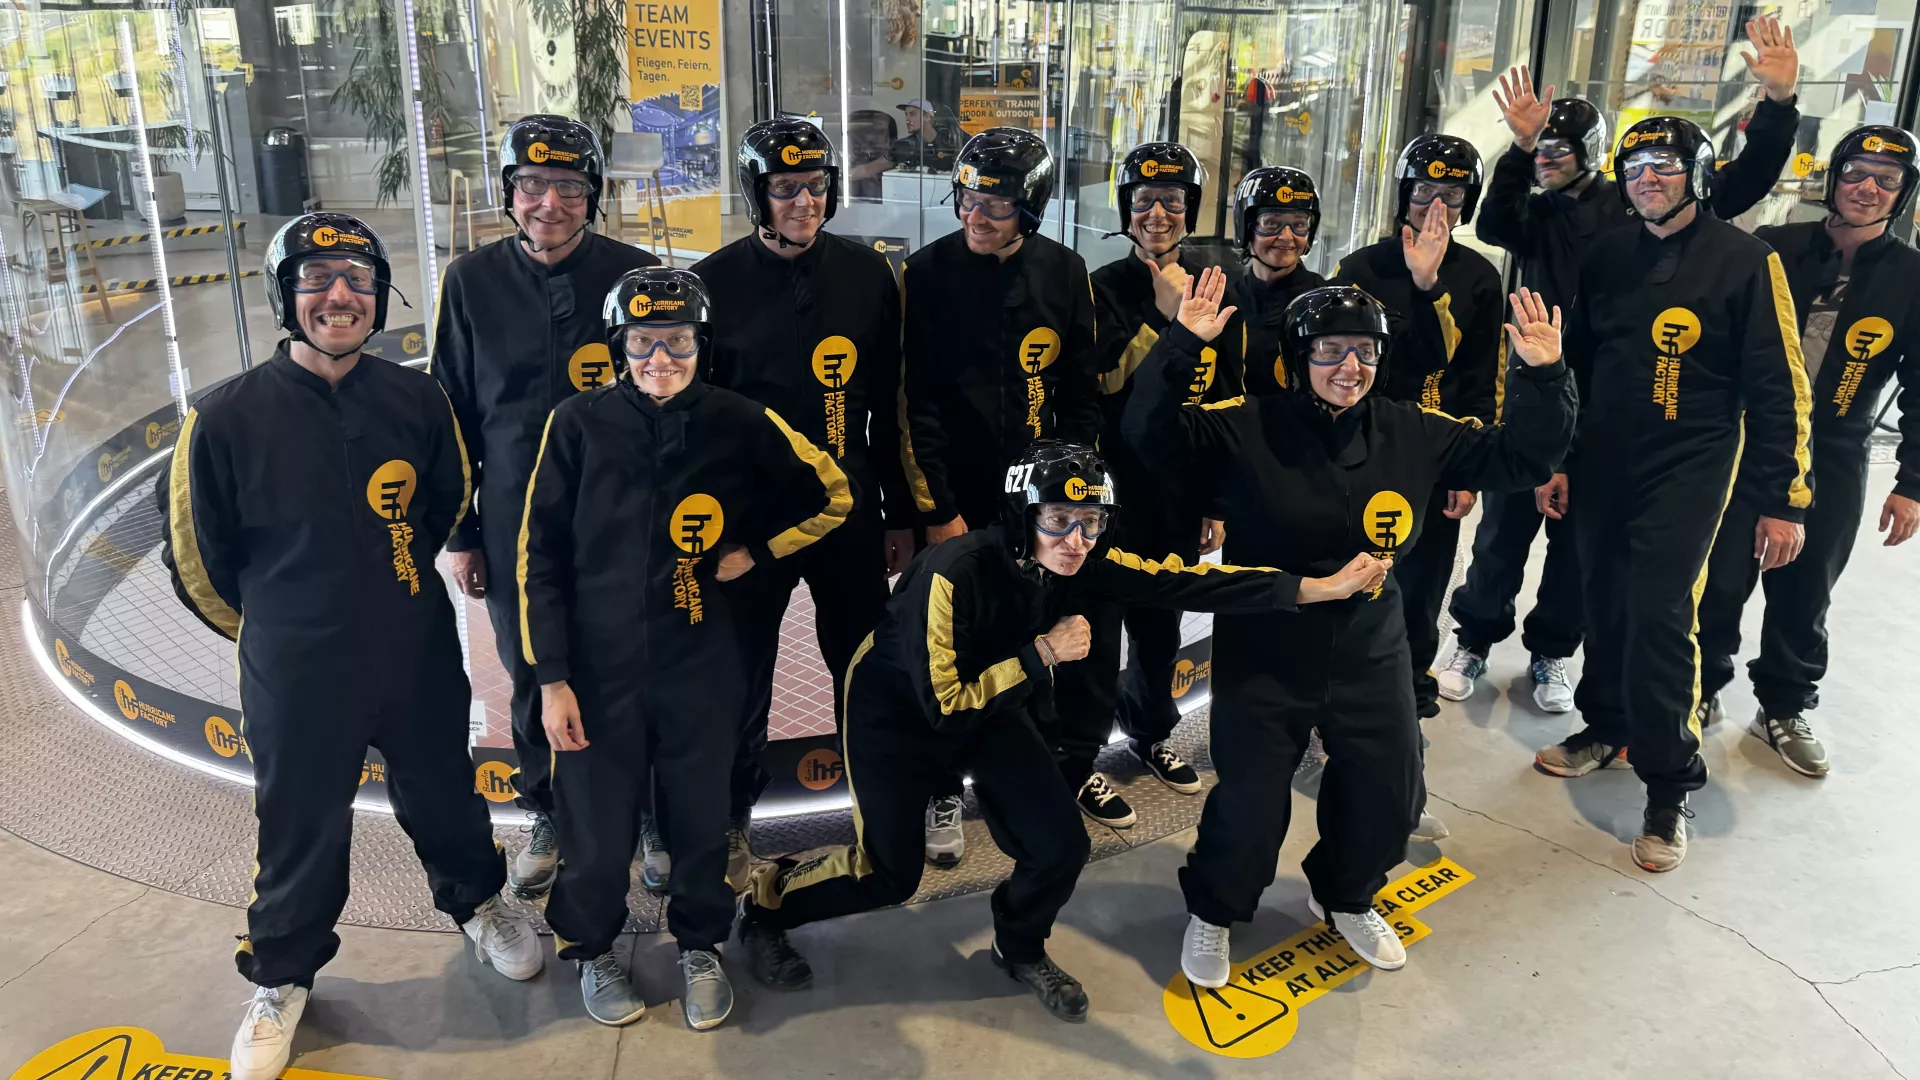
1334 309
656 294
1009 162
783 144
556 141
1669 133
323 234
1882 140
1052 471
1273 187
1578 122
1158 163
1439 159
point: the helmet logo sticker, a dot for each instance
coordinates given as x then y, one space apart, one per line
390 492
1865 339
793 155
1437 169
328 236
1286 194
540 153
590 366
1151 168
1079 490
966 175
833 363
1873 144
1675 330
641 305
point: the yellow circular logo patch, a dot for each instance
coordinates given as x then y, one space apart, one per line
1437 169
1388 520
833 361
1040 348
1149 168
1182 678
821 769
326 236
1868 337
641 305
790 155
590 366
537 153
494 781
1873 144
1076 488
1675 331
221 737
1803 165
390 490
123 697
412 344
696 524
1203 378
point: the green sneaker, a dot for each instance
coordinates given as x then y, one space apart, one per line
1793 739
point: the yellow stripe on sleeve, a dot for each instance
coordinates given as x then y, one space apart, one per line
1449 330
953 694
466 466
520 565
186 537
1799 495
839 495
1112 382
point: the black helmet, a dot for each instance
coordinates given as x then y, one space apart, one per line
1442 159
658 294
1274 187
1333 309
563 143
323 234
1158 163
1052 471
1884 140
1578 121
1669 132
783 144
1007 161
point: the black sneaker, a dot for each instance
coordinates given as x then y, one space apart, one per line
1166 766
1100 802
771 957
1059 992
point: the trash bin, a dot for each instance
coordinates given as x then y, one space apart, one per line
281 161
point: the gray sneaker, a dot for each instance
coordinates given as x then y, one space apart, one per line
656 866
1457 676
709 996
1204 953
739 853
946 836
534 868
1579 755
608 992
1552 690
1662 842
1708 712
1429 829
1793 740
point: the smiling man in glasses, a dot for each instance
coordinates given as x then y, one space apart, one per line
1853 289
1689 334
518 331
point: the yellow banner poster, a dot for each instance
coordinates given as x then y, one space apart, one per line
673 55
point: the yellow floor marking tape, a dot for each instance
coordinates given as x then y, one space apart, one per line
1258 1011
130 1053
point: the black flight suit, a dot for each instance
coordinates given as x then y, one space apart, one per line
1164 507
1448 352
316 514
815 338
628 505
1263 307
1683 336
951 681
1867 345
999 354
512 339
1549 233
1306 492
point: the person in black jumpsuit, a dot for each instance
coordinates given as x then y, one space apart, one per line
1853 289
1312 476
1158 191
999 351
1443 304
1689 333
648 497
1561 145
807 323
970 648
310 495
1276 212
518 331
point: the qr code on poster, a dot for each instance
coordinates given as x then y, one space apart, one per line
691 98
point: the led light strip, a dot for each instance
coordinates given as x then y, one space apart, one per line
429 257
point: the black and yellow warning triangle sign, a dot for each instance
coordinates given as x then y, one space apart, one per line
129 1053
1258 1011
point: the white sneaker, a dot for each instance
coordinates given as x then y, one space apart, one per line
1369 935
264 1043
1552 690
1203 953
1430 828
946 838
1457 676
506 939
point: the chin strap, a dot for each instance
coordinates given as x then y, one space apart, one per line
1835 219
520 233
767 232
1276 269
1673 213
296 334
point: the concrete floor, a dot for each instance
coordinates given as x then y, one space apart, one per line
1780 949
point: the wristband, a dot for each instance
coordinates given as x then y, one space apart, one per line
1046 652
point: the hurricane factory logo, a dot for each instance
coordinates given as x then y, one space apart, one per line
833 363
1203 373
390 493
1389 521
133 708
109 461
1437 169
222 738
590 366
641 305
372 771
1151 168
967 176
1675 330
821 769
1865 340
793 155
1803 166
326 236
158 433
1038 350
1286 194
69 666
494 781
412 343
1873 144
1186 674
540 153
694 528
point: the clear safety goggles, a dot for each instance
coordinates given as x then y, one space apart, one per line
1886 177
1172 199
681 341
1553 149
1662 162
1274 222
317 273
996 207
1451 194
1327 352
536 186
786 188
1059 519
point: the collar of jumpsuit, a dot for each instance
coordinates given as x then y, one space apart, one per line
284 363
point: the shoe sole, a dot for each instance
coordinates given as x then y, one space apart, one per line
1203 983
637 1014
1618 761
707 1025
533 890
1183 789
945 860
1453 695
1111 823
1652 869
1321 914
1760 732
1551 710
